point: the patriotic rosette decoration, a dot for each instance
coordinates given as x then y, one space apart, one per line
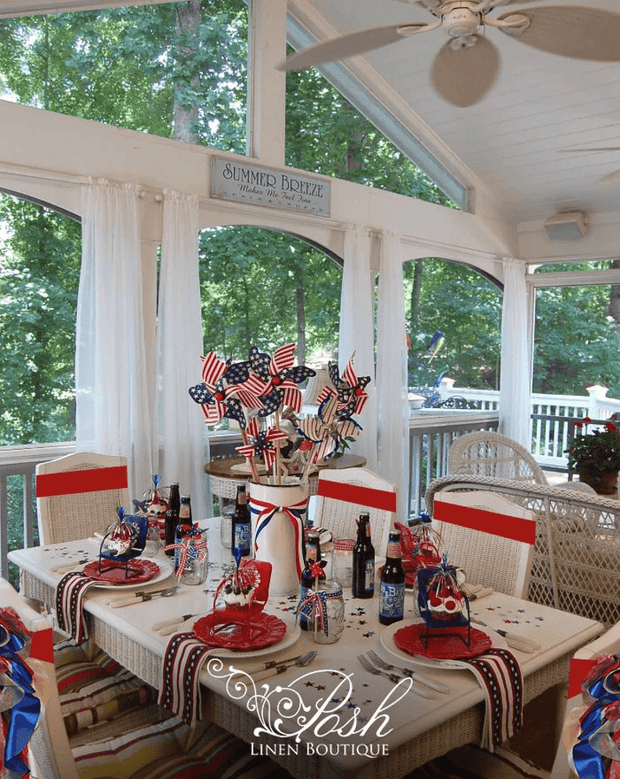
350 390
595 752
262 443
274 379
19 705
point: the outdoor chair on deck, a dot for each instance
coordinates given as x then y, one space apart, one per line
342 494
576 563
485 453
146 742
79 494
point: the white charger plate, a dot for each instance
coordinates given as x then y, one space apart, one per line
387 642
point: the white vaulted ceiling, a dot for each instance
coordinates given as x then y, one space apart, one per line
510 143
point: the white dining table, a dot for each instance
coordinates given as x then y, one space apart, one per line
332 718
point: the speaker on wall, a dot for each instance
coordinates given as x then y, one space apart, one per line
567 226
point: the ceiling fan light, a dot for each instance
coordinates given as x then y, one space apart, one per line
460 21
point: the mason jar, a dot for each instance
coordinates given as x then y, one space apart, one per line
327 630
197 562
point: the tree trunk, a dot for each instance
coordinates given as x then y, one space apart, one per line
416 291
614 298
188 26
301 321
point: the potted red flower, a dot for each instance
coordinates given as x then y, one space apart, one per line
596 455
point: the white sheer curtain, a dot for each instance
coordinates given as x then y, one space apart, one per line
393 449
357 332
183 437
113 413
516 367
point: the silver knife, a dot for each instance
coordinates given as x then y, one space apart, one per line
512 639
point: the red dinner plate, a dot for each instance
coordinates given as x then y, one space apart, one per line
146 570
441 647
260 631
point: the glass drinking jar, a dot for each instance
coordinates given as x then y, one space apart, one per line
226 525
197 561
329 629
342 561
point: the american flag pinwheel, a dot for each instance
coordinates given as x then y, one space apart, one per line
223 392
350 390
263 443
326 431
275 379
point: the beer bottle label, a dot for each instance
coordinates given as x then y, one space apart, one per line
242 536
391 600
369 575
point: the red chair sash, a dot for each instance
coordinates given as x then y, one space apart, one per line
354 493
503 525
73 482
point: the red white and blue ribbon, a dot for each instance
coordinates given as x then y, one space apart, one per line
23 715
192 547
265 512
184 658
70 602
599 734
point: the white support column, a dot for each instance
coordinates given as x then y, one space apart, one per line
266 85
357 317
393 438
515 403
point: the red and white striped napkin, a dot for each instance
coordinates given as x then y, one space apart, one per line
180 685
70 604
499 675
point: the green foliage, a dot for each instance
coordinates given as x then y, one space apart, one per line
598 451
577 343
39 272
469 320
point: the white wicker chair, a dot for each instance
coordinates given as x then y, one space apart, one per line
146 742
344 493
576 565
486 556
68 508
485 453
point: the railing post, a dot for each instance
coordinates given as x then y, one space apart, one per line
596 393
446 387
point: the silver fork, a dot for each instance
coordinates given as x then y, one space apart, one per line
395 678
377 671
379 661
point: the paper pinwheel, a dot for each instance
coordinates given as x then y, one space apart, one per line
275 379
262 444
223 392
350 390
326 431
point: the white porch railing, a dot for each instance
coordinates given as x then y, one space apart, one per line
431 433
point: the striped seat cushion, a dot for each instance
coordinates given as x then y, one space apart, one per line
93 688
158 752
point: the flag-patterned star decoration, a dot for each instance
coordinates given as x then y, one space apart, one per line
262 444
350 390
326 431
223 392
274 379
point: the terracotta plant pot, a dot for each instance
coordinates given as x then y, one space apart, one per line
605 483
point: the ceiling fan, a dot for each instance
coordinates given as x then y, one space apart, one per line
467 65
610 178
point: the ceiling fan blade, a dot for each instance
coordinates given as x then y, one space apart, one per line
592 148
571 31
350 45
610 178
463 77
